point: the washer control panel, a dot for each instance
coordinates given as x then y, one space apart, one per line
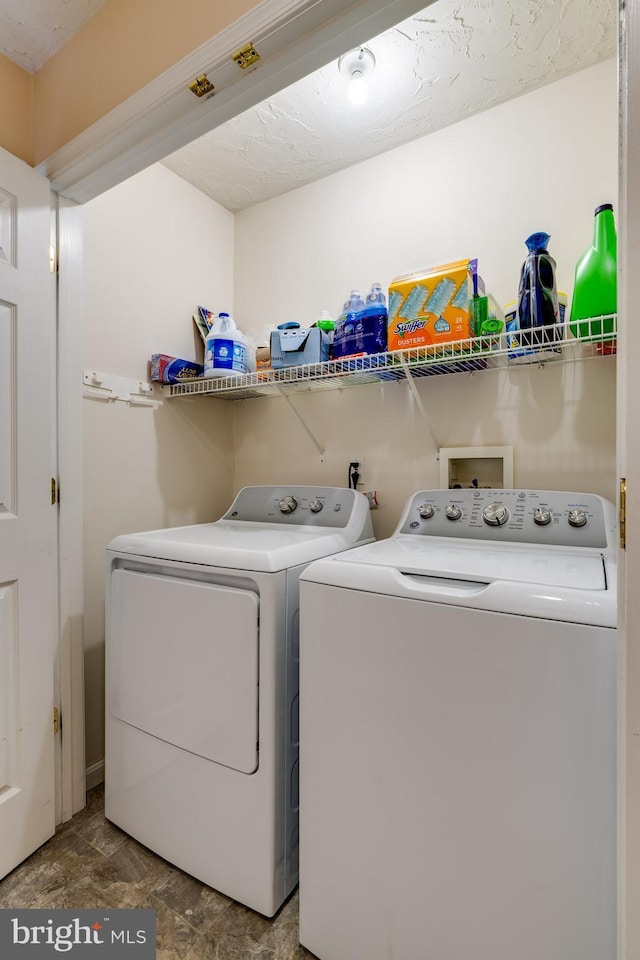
315 506
511 516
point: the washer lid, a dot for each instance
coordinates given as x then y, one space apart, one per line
244 545
573 586
484 562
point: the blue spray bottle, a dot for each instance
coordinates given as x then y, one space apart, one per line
537 294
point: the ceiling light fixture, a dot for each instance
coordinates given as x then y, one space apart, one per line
356 66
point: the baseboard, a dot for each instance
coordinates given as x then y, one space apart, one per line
95 774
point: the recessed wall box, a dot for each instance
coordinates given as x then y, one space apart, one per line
482 467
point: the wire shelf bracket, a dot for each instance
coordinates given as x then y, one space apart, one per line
305 427
418 400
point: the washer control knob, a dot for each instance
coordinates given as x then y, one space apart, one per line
453 511
542 516
495 514
426 511
315 506
577 518
288 504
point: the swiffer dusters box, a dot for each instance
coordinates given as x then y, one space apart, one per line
433 306
292 345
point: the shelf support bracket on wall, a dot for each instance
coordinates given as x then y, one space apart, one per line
306 429
418 399
109 387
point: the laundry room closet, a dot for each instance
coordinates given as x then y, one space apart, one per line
156 247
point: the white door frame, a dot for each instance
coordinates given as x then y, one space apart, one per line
629 468
70 544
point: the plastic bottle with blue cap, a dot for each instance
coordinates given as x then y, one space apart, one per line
225 349
537 294
344 338
371 325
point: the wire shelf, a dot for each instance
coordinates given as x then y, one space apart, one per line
541 345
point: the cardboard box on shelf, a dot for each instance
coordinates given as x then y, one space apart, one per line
168 369
433 306
263 362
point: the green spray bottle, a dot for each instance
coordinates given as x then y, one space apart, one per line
594 300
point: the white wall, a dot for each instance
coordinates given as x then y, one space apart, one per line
478 188
154 249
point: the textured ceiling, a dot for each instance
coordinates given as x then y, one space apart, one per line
31 31
456 58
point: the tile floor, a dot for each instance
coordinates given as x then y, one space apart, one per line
91 863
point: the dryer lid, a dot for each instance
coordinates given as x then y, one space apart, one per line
235 545
266 529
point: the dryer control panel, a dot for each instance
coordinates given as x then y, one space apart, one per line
331 507
512 516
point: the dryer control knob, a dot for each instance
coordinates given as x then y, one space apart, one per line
453 511
495 514
577 518
542 516
315 506
288 504
426 511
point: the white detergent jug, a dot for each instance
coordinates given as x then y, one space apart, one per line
225 349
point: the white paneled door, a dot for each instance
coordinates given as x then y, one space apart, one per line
27 516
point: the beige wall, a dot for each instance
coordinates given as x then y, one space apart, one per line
16 110
478 188
154 249
124 46
560 421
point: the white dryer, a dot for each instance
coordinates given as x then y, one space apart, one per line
202 684
458 797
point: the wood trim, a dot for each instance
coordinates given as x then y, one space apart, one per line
70 469
95 774
629 467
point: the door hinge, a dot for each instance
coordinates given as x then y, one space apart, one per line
246 56
55 492
57 721
622 514
201 86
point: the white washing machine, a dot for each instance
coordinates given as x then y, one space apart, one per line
458 734
202 684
